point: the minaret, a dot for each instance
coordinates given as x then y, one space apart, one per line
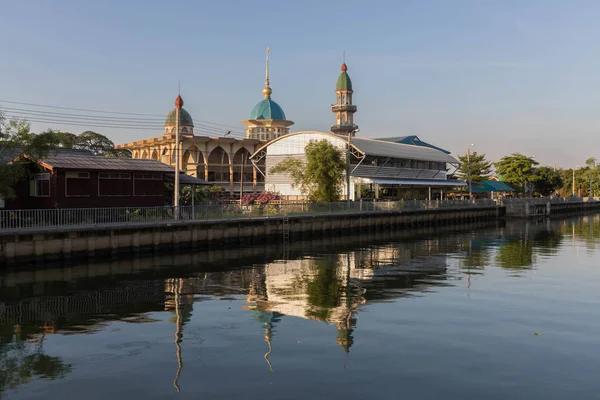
343 108
267 119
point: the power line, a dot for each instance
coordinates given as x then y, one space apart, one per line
78 116
109 123
104 112
78 109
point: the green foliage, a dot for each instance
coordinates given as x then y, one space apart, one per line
517 169
63 140
549 181
587 180
323 289
321 178
99 145
481 169
16 139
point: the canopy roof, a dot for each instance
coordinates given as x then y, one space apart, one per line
491 186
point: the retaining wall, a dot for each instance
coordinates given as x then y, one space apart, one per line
88 242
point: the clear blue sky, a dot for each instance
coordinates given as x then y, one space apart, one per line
506 75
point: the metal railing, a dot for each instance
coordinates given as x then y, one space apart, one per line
23 220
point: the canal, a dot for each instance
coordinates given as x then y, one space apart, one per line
501 310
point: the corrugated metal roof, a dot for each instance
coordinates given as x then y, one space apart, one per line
382 148
497 186
418 182
414 140
67 160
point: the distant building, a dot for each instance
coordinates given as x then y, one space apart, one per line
388 165
68 178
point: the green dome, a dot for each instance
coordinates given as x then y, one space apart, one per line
343 82
267 109
184 118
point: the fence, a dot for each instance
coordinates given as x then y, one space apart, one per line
19 220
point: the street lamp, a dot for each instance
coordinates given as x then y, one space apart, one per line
469 169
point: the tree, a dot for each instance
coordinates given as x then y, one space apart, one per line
16 139
321 178
517 169
592 177
99 145
481 169
65 140
549 181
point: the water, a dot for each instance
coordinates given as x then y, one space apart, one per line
481 311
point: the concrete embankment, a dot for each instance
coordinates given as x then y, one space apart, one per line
540 208
94 241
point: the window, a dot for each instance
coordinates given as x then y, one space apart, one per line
41 185
77 184
114 184
157 177
78 175
105 175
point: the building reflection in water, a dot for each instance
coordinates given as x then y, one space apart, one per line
322 280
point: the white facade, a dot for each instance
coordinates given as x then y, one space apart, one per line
371 162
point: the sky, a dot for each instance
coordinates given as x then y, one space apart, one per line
507 76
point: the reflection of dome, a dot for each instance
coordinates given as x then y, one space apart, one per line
267 109
184 118
344 82
267 317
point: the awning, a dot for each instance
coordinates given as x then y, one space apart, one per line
185 179
416 182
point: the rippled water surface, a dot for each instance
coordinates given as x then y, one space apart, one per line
486 311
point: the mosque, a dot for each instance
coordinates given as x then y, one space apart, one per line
240 165
223 161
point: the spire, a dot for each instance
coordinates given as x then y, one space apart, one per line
178 101
267 90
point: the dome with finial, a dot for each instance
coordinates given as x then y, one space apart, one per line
267 109
184 117
344 82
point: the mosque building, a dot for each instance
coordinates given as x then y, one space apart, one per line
223 161
267 119
394 166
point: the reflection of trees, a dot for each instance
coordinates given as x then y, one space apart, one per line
586 229
517 254
323 289
22 359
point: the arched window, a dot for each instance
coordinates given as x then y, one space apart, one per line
218 165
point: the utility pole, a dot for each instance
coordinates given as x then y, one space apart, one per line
574 180
178 105
591 194
469 170
242 170
350 133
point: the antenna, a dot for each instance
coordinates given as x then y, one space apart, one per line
344 57
178 87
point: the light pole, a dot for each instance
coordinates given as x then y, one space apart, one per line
577 166
350 133
469 169
592 165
